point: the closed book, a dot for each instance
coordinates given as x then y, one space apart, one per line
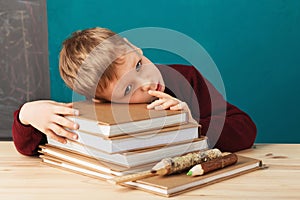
112 119
179 183
54 154
138 157
170 185
73 167
146 139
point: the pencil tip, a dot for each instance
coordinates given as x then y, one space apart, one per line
190 173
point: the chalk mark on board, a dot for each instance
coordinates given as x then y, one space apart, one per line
24 71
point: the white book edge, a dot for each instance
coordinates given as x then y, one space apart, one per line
130 127
135 159
78 169
104 169
136 142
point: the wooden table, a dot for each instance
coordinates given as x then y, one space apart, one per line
24 177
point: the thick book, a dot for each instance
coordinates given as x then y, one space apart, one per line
50 154
147 139
135 157
112 119
79 169
179 183
169 185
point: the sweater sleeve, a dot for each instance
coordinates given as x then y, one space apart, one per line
26 138
227 127
238 131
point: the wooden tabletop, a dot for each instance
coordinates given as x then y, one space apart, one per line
24 177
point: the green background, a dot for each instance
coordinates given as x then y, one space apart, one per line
254 43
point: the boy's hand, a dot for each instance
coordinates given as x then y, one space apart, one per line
166 101
48 117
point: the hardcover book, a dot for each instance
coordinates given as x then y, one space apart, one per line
179 183
137 157
51 154
167 185
146 139
112 119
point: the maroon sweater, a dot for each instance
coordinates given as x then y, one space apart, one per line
227 127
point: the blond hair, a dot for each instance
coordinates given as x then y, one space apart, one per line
87 59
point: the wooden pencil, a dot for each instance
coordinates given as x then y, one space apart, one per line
171 165
214 164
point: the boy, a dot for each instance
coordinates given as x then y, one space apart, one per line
102 66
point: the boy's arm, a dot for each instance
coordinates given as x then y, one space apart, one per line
230 129
26 138
238 132
36 119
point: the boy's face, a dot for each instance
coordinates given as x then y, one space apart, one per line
136 75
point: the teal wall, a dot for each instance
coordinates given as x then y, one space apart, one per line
254 43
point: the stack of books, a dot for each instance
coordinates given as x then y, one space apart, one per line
130 135
121 139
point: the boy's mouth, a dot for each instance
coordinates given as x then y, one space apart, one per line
158 88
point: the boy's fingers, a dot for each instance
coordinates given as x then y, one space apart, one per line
176 107
169 103
70 105
64 122
53 136
179 106
166 105
159 107
62 110
159 94
58 103
58 130
156 103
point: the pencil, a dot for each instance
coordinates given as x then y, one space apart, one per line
214 164
131 177
171 165
178 164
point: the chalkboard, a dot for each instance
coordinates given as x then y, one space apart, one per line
24 68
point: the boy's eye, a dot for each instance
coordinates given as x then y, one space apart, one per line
138 66
127 90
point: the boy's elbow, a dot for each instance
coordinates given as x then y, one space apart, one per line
248 135
25 153
25 150
250 128
252 132
237 134
28 144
